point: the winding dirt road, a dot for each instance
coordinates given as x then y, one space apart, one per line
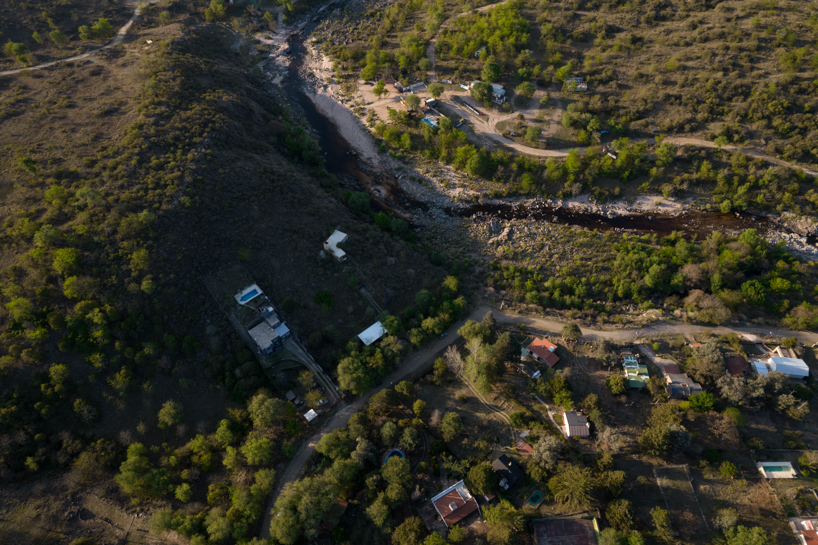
421 361
120 35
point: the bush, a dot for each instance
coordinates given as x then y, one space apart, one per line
617 384
728 470
701 402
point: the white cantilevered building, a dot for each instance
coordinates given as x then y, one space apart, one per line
331 245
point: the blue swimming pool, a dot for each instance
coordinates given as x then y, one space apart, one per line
249 295
429 121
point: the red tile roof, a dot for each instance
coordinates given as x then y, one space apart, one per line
523 447
453 506
737 365
544 349
810 536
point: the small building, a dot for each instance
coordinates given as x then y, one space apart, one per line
543 350
331 244
311 415
372 333
792 367
566 530
498 93
455 503
523 447
529 370
508 470
804 529
679 386
430 102
248 295
776 470
576 425
637 374
737 365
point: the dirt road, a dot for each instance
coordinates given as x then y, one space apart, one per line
417 364
120 35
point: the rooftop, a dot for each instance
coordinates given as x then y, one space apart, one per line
455 503
333 241
507 469
264 335
737 365
523 447
372 333
544 349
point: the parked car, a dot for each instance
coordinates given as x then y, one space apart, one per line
443 334
322 403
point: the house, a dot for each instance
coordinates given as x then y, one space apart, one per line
372 333
776 470
267 339
523 447
637 374
543 350
804 529
508 470
792 367
737 365
576 425
455 503
292 398
566 530
679 385
430 102
529 370
331 244
498 94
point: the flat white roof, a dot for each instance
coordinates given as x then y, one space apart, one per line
789 366
332 243
263 334
372 333
248 294
311 415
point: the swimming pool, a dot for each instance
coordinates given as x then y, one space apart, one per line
249 295
535 498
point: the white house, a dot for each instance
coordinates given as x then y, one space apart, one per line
372 333
331 244
498 93
792 367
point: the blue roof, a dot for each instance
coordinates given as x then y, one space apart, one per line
282 329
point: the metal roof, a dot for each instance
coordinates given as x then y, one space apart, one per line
372 333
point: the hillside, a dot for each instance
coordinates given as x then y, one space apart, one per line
152 165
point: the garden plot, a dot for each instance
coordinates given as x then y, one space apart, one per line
680 498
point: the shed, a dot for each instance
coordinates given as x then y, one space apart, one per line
372 333
523 447
792 367
508 470
311 415
529 370
576 425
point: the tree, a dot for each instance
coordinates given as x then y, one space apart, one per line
397 471
102 29
419 407
389 432
733 389
547 451
59 39
378 512
408 439
353 376
436 89
334 445
620 515
525 89
701 402
532 133
434 539
380 89
451 426
707 363
661 521
290 521
412 102
265 411
617 384
456 534
655 440
741 535
364 452
409 532
481 91
17 50
66 261
565 72
728 470
170 414
725 518
571 486
404 388
571 332
482 479
478 164
137 477
258 451
183 492
473 330
491 72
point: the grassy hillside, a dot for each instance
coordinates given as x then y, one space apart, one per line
127 177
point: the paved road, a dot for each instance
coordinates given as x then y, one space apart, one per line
120 35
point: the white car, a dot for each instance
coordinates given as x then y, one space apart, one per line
321 403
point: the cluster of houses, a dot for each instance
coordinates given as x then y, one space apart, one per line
636 372
267 330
